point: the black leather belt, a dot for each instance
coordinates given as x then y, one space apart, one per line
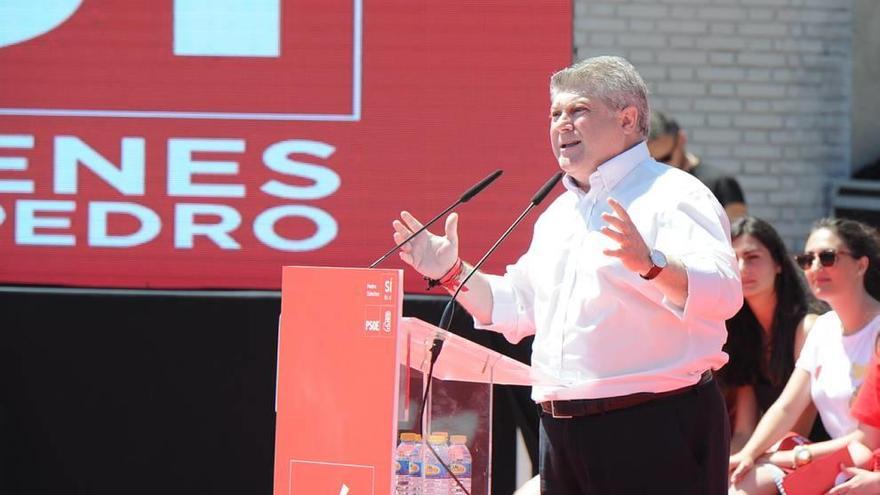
590 407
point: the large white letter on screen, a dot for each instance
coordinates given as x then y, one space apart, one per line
98 236
27 222
182 167
276 158
186 228
18 164
264 228
127 179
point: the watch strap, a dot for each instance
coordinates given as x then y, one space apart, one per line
652 273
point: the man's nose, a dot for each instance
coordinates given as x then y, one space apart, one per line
564 123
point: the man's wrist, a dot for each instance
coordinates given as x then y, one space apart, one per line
647 265
452 279
657 262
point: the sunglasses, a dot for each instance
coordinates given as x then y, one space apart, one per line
827 258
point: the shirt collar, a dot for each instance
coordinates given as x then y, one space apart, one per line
614 170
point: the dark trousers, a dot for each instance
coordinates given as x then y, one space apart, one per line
677 444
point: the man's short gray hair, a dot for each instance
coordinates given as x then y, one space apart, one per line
611 79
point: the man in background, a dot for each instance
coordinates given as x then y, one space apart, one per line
667 143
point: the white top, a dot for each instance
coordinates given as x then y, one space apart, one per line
837 365
600 328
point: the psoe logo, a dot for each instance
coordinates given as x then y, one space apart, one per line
254 44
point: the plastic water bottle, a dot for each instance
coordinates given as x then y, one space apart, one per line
401 460
436 477
416 457
461 464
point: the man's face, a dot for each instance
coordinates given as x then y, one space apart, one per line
584 133
669 149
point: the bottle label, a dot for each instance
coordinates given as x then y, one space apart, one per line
402 467
460 468
434 471
415 468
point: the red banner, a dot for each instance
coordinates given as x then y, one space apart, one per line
204 144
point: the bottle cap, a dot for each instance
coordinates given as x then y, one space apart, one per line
460 439
409 437
435 438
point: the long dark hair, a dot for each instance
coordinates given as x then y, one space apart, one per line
745 341
862 240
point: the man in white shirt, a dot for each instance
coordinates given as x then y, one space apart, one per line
626 286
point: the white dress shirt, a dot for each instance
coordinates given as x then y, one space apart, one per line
601 329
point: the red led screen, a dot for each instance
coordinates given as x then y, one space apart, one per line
205 144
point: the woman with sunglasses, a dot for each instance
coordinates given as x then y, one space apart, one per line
841 261
764 339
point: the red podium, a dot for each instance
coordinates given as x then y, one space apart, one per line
351 375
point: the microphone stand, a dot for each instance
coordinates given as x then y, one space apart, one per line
470 193
435 350
449 311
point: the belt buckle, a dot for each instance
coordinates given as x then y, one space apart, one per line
553 412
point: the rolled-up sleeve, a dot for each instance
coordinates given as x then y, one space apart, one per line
714 288
697 232
512 309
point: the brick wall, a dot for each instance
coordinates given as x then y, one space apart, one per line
763 88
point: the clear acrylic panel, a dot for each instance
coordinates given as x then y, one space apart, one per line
459 411
459 401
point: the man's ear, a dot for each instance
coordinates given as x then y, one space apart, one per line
629 119
682 138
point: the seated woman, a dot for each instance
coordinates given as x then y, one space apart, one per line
865 408
842 265
860 443
764 339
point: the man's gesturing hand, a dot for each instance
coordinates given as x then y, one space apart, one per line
431 255
632 252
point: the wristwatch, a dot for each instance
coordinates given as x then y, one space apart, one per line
802 456
658 261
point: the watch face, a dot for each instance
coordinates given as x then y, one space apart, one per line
658 258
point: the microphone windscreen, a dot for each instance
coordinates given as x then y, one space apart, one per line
545 189
470 193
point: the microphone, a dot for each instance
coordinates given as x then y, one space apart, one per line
467 196
449 310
